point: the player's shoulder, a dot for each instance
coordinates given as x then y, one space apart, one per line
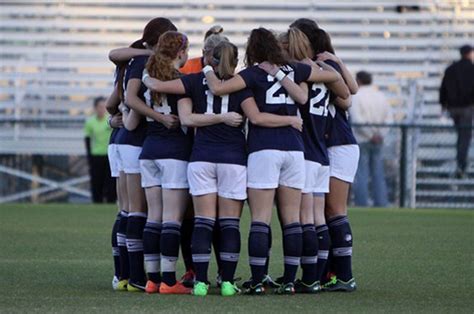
254 69
139 60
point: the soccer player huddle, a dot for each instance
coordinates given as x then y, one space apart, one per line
193 140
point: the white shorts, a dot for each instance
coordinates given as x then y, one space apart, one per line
113 160
167 173
269 168
227 180
317 178
343 161
128 158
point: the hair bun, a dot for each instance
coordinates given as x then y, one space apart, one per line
216 29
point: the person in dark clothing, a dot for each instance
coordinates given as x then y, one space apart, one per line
457 97
97 134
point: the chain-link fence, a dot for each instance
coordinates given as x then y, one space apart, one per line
419 160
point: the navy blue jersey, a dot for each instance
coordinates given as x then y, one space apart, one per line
339 131
113 135
314 114
271 97
161 142
218 143
134 71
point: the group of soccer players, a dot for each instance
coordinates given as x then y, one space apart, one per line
193 140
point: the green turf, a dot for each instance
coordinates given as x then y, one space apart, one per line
57 258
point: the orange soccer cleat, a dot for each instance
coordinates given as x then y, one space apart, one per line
152 287
178 288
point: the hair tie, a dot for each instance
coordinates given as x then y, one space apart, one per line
183 44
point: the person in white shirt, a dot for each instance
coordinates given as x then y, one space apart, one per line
370 106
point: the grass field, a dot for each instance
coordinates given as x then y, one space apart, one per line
56 258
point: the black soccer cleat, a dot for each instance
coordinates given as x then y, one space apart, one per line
255 290
301 287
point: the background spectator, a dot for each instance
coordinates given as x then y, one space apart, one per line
456 95
369 105
97 134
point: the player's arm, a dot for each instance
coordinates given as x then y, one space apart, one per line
297 92
168 87
120 55
268 120
346 74
343 103
116 120
132 120
112 103
188 118
219 87
135 103
338 87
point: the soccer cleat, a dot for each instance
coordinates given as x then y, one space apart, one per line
135 287
229 289
219 280
267 281
188 279
152 287
255 290
200 289
115 282
301 287
178 288
339 285
122 285
279 281
288 288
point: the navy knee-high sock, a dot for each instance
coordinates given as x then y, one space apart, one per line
341 239
115 248
258 250
122 245
292 249
151 250
229 247
186 235
201 246
169 244
216 240
323 249
309 259
267 263
135 226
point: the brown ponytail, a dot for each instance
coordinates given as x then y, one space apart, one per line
225 58
139 44
160 65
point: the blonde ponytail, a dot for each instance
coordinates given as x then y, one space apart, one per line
299 46
225 57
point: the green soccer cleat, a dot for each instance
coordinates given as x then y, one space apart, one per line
229 289
200 289
288 289
301 287
255 290
339 285
135 287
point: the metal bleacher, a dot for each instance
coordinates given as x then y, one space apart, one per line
54 58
